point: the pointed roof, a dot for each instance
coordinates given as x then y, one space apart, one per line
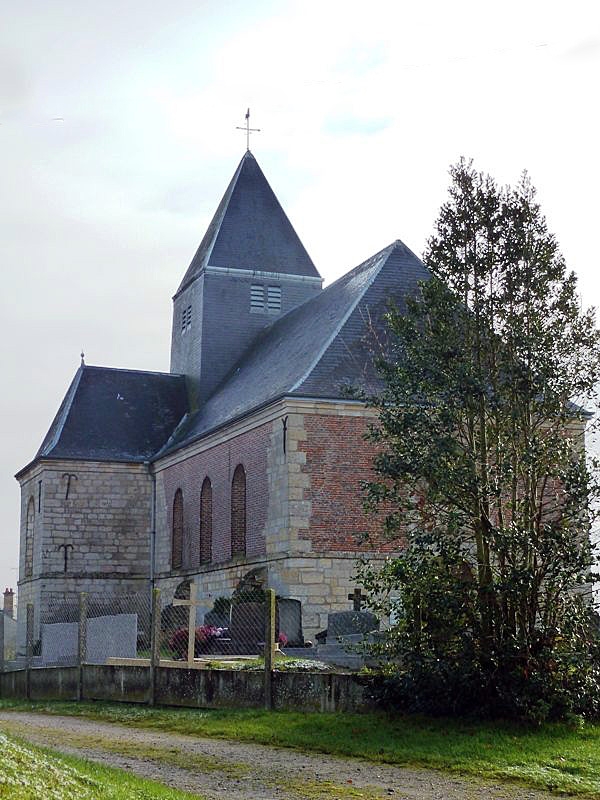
319 349
250 231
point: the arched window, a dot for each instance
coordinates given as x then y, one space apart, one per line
206 522
238 512
29 525
177 540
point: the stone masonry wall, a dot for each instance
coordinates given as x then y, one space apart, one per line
105 517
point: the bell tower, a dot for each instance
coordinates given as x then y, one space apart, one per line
249 269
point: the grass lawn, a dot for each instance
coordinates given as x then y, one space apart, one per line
557 757
31 773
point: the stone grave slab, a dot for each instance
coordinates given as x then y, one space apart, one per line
59 642
290 621
348 623
218 619
247 629
113 636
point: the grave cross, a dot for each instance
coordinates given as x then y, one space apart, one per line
191 603
357 597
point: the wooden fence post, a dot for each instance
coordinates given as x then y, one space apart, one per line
269 646
155 629
81 641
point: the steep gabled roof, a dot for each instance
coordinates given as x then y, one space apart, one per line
318 349
115 415
250 231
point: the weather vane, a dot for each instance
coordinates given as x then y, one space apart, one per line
248 129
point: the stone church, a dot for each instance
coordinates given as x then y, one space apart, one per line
248 456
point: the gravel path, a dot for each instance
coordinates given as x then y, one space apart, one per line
216 769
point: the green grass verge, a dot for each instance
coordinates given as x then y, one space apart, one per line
31 773
203 764
556 757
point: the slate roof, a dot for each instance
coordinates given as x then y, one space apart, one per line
115 415
317 350
250 231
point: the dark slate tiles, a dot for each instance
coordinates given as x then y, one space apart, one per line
349 361
116 415
250 231
318 349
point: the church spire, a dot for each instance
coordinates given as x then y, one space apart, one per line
250 231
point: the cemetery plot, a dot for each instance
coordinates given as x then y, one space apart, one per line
193 629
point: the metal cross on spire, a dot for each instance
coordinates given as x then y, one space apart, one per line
248 129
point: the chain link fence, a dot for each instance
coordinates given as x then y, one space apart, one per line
192 629
227 629
93 629
8 642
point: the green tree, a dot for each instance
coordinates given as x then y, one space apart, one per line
482 466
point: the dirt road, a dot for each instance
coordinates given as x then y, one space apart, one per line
218 770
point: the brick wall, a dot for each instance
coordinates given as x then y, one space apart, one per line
218 464
337 458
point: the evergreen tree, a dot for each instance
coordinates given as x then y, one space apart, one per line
482 466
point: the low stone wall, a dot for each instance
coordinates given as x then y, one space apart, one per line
192 688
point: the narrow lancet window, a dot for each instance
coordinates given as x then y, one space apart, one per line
177 539
238 512
29 527
206 522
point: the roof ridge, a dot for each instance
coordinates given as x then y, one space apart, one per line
383 255
63 414
139 371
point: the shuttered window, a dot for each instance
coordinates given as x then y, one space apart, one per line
274 298
257 297
186 319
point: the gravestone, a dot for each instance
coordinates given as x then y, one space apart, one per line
350 623
112 636
247 629
290 621
59 642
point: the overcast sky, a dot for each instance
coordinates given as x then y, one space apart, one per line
117 140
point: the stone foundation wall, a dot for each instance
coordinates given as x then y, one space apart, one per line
305 691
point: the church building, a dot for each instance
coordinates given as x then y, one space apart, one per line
248 456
